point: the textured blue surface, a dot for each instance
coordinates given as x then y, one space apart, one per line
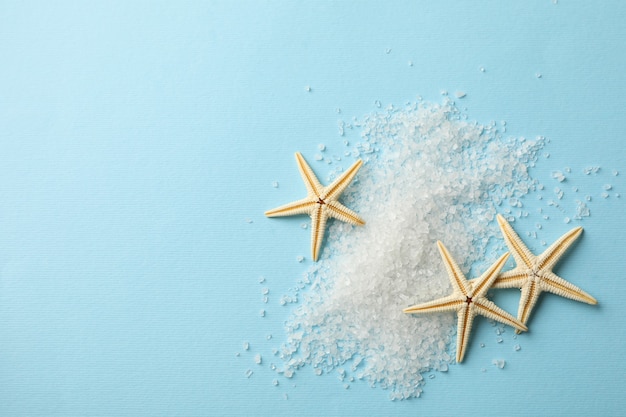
136 138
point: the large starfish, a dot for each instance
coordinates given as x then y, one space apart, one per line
320 203
468 300
533 274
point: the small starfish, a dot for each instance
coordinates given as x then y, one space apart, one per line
468 300
533 274
320 203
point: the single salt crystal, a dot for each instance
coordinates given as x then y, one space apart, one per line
388 51
566 219
272 366
269 337
237 354
249 373
568 169
346 386
615 172
558 175
482 345
605 195
607 187
275 184
246 345
275 382
482 69
304 225
575 189
321 147
318 157
460 94
262 313
300 259
288 373
265 299
410 63
318 371
248 220
258 359
483 369
517 347
377 103
499 363
261 279
499 340
538 75
559 193
265 291
308 88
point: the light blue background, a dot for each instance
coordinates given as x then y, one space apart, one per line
137 137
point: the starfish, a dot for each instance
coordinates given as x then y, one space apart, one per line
320 203
468 299
533 274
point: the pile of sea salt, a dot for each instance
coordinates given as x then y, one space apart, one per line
428 175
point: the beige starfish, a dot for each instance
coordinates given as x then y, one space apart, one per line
320 203
533 274
468 300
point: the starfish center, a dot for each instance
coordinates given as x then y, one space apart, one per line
320 201
468 300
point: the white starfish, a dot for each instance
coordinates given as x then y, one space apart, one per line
533 274
468 300
320 203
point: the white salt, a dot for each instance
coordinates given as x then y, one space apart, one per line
499 363
558 175
258 359
428 175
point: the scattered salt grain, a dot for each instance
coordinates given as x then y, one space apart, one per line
308 88
275 184
558 175
249 373
318 157
300 259
607 187
566 219
258 359
615 172
454 172
261 279
304 225
321 147
499 363
517 348
499 340
460 94
265 291
262 313
246 345
275 382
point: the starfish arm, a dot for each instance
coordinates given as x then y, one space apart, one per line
339 211
484 282
463 330
514 278
528 299
313 185
521 253
551 282
304 206
458 280
450 303
334 190
318 227
551 256
490 310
